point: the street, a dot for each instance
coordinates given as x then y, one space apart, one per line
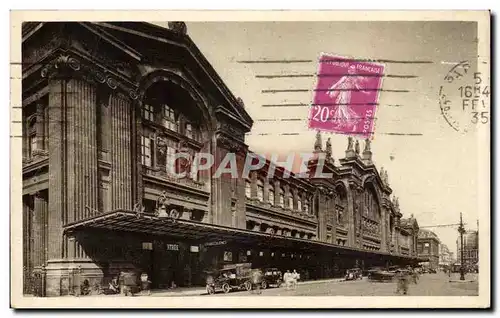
428 285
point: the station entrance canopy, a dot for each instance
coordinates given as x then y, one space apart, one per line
203 233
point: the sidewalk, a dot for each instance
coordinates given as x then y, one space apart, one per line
197 291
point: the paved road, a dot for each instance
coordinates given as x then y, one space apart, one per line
428 285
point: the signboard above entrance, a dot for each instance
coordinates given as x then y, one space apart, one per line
216 243
172 247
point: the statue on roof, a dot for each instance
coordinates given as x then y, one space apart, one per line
350 143
328 149
367 144
177 26
357 147
317 143
382 172
241 102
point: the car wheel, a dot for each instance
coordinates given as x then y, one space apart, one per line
263 284
210 290
248 286
226 288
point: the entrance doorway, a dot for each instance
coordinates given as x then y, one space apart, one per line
160 260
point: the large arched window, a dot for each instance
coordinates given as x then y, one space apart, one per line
260 190
171 124
341 206
371 206
299 202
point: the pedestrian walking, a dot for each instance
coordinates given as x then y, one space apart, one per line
287 279
402 278
256 281
295 278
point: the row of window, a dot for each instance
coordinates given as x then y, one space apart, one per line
282 202
170 120
161 154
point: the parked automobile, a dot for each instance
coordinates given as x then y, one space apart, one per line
379 274
272 276
432 271
230 277
353 274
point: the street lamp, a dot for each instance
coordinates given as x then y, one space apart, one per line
461 230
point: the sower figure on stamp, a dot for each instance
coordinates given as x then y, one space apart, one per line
340 92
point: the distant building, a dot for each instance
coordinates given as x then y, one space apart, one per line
428 247
445 256
471 249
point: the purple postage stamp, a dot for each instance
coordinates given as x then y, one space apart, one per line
346 96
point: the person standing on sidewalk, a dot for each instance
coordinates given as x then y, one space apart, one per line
402 278
256 280
287 279
295 278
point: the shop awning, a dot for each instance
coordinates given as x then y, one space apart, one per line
146 223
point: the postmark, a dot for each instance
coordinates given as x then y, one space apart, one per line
464 97
346 96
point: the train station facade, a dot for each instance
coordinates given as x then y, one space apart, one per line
106 108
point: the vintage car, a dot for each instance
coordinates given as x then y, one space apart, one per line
353 274
272 276
379 274
230 277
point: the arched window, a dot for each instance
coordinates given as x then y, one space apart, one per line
248 189
341 205
371 207
299 202
260 190
270 198
282 197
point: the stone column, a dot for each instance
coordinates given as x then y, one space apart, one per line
333 214
322 208
121 160
57 165
40 131
351 239
40 229
276 192
136 155
383 229
82 166
240 192
253 180
27 260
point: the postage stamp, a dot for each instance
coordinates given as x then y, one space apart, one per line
346 96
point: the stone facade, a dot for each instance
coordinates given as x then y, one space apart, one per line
105 106
428 247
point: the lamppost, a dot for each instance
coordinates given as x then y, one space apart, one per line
461 230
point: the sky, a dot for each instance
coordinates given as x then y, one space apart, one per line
433 168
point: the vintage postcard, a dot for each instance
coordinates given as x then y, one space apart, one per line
250 159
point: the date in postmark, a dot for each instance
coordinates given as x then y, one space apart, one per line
346 96
464 97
